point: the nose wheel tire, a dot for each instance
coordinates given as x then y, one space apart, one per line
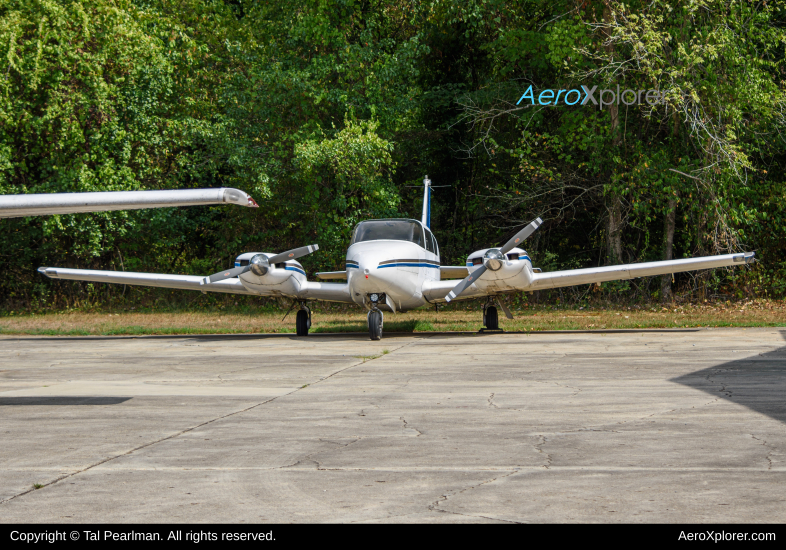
491 319
302 323
375 324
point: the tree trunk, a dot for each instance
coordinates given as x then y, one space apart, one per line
668 224
614 230
668 248
614 223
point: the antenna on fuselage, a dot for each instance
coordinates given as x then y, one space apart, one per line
426 219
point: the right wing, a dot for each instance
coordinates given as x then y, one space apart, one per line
556 279
17 206
183 282
435 291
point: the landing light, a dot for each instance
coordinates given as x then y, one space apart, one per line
374 297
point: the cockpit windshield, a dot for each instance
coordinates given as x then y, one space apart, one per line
393 230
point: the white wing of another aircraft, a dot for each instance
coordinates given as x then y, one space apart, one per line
394 265
17 206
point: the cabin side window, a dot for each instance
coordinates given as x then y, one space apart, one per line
429 241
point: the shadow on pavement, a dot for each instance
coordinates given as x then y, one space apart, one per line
56 400
757 382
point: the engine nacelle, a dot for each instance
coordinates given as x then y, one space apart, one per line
284 278
502 265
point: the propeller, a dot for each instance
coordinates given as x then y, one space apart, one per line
260 264
494 258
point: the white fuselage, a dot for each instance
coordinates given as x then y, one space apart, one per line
398 269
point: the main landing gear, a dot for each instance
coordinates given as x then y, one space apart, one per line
303 320
490 317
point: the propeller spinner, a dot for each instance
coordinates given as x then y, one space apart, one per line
494 259
260 264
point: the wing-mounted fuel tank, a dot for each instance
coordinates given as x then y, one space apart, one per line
504 271
268 273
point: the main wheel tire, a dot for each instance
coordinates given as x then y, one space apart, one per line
492 319
301 323
375 325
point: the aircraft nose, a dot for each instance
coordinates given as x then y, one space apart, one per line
373 279
367 268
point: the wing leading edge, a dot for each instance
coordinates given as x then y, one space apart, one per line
306 290
17 206
182 282
556 279
435 291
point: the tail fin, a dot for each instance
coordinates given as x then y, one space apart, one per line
426 219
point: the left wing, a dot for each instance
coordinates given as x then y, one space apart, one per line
306 290
183 282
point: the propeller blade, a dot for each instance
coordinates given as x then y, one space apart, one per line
228 274
462 286
293 254
521 235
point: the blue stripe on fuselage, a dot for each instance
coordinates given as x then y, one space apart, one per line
408 265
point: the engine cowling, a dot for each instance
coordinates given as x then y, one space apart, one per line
499 265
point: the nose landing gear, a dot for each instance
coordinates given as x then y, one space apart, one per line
375 324
375 315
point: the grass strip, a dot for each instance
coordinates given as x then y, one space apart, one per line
764 313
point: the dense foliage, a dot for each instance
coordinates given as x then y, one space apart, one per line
332 111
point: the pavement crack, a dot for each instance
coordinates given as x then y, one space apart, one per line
539 448
768 457
311 456
408 427
435 506
576 390
723 389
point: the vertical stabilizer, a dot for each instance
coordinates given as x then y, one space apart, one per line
426 219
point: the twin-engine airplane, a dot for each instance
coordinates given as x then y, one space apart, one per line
393 265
